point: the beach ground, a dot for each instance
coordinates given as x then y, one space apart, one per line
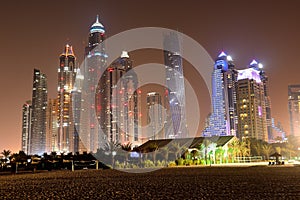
252 182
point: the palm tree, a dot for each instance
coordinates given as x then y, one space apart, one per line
164 151
6 153
111 147
153 148
176 149
244 148
235 146
267 149
127 148
206 144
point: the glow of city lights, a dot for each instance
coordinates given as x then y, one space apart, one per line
249 73
229 58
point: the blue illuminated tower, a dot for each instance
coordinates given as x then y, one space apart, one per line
223 119
176 125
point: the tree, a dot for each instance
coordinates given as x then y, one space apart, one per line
176 149
6 153
112 147
245 148
206 144
267 149
164 151
127 148
153 148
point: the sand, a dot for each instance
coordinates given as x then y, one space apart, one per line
263 182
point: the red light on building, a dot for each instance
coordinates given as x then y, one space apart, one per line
110 69
140 91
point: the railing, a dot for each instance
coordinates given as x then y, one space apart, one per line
247 159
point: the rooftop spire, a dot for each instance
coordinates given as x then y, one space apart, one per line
68 50
97 19
97 26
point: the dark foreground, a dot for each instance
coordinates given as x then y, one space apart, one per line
170 183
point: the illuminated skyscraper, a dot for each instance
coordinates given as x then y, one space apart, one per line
251 105
94 65
26 126
265 80
176 125
223 119
38 120
294 109
118 103
155 116
66 78
51 129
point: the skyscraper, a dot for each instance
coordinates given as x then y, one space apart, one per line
155 116
94 65
294 109
26 126
223 119
51 129
265 80
251 106
118 105
38 120
176 126
66 78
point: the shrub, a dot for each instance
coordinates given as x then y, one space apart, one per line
172 164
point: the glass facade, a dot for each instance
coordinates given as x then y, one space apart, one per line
176 126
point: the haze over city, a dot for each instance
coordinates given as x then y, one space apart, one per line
34 35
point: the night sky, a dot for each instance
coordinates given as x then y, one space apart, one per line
33 35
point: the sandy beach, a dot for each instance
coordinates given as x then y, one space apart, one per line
256 182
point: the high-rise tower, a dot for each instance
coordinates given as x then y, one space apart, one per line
66 78
51 129
176 126
38 119
294 109
155 116
94 65
118 104
251 106
26 126
223 120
